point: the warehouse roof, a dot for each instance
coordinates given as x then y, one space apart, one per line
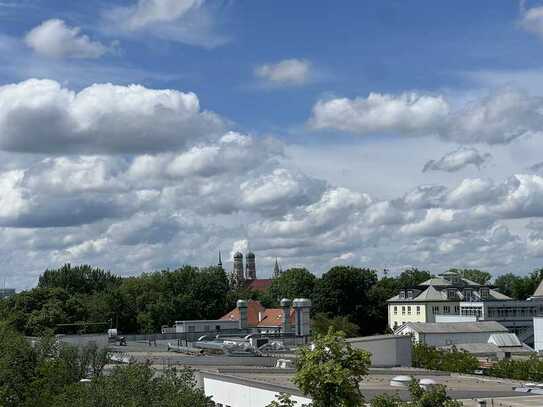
454 327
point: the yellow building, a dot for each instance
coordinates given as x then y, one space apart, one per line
440 295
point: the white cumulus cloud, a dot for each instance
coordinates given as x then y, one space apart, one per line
41 116
457 160
191 22
286 72
54 39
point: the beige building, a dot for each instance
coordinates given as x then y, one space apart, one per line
444 295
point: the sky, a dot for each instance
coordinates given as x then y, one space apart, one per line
138 135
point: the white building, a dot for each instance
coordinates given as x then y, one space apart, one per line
452 298
446 334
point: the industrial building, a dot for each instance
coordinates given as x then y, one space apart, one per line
451 298
444 334
246 387
6 292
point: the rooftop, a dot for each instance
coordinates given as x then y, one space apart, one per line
455 327
377 382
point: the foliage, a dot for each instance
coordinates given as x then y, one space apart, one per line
83 299
283 400
436 396
329 371
412 277
517 287
529 369
345 291
478 276
321 323
428 357
137 385
49 374
293 283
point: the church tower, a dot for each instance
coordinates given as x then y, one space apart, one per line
238 277
276 269
250 271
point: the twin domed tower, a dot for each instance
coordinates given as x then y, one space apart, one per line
241 276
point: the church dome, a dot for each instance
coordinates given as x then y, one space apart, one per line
238 255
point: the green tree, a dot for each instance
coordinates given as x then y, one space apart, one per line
293 283
283 400
345 291
137 385
331 370
17 367
412 277
478 276
429 357
322 322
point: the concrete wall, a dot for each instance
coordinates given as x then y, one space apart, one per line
538 334
206 326
234 393
386 350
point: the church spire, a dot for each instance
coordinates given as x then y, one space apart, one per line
276 269
220 260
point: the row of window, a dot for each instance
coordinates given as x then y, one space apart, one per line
408 308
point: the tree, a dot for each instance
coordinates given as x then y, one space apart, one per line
412 277
293 283
345 291
17 367
330 371
137 385
517 287
429 357
322 322
478 276
283 400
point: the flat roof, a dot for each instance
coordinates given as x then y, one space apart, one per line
378 382
456 327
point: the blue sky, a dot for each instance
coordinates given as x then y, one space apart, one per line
376 133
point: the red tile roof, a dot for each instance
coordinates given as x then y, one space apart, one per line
261 284
258 316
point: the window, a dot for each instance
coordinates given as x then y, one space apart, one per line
403 310
467 295
402 295
451 293
395 310
408 310
484 293
457 309
418 309
446 309
435 309
409 293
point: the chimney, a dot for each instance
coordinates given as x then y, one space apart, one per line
285 305
259 316
242 306
302 307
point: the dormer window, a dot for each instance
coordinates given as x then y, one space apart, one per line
451 293
468 295
409 293
485 293
402 295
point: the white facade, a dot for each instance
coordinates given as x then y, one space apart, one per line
211 326
538 334
234 393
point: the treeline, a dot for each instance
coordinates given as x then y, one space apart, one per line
83 299
79 299
53 374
